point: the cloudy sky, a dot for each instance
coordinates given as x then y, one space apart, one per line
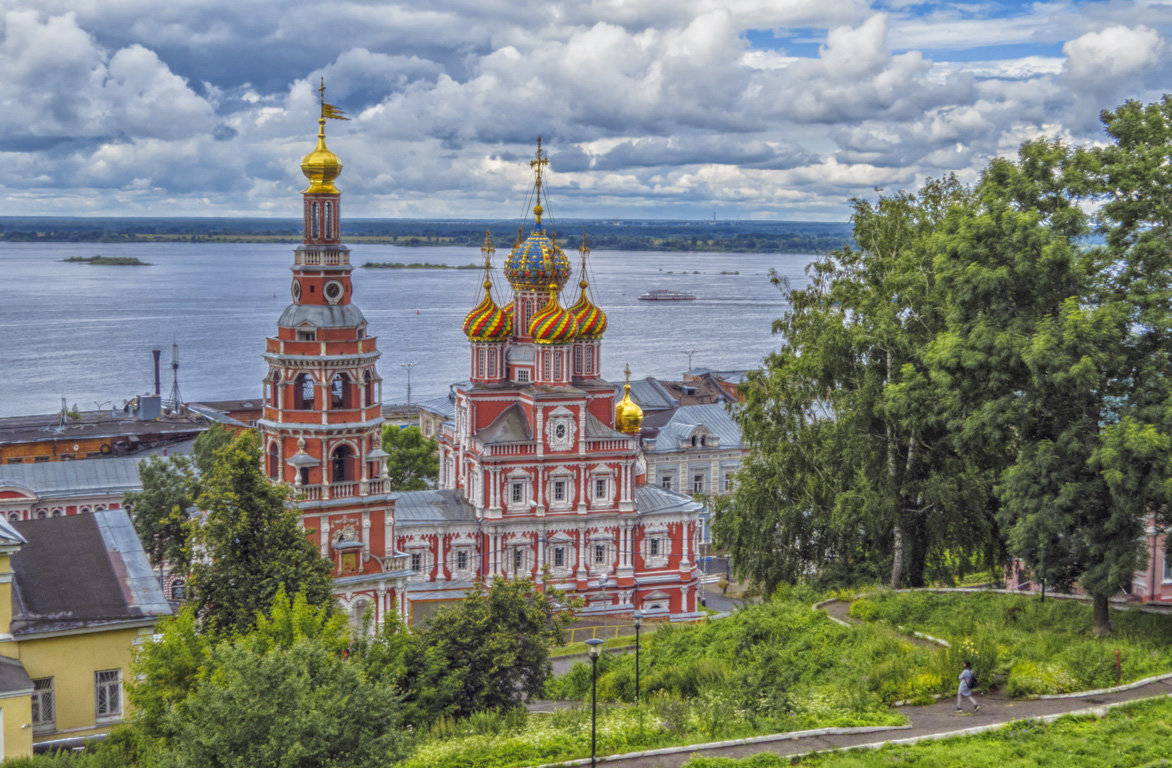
649 108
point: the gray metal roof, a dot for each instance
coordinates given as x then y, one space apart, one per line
83 477
429 507
441 405
13 679
321 316
511 426
82 571
649 394
652 500
713 416
596 428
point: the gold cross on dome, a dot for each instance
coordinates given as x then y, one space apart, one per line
539 162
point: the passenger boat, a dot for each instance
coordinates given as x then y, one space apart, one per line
664 294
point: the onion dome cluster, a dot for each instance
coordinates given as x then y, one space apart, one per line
590 319
628 416
487 321
321 166
536 262
553 324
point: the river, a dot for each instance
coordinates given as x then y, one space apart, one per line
86 332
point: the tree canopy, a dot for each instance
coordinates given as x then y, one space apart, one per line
975 377
250 544
413 463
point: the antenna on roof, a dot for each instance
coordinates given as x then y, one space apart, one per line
176 400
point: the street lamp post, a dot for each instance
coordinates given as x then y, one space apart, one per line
638 624
594 646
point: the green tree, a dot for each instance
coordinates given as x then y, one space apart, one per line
281 694
413 463
207 444
851 470
160 509
250 546
490 651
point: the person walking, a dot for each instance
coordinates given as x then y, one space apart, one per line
967 681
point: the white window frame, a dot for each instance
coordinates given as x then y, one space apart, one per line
662 544
566 478
44 701
665 482
107 687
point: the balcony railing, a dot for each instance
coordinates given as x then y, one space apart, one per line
607 445
317 258
344 490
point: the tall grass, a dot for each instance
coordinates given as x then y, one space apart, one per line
1030 646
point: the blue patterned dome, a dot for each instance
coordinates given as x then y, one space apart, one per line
536 263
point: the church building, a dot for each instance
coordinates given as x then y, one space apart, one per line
541 473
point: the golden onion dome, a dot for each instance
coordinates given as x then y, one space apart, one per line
628 416
321 166
553 324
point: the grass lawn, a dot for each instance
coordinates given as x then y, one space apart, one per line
1128 737
1029 645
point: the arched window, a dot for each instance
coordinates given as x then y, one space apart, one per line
329 220
316 221
303 392
14 516
275 390
368 385
358 614
342 464
340 392
274 462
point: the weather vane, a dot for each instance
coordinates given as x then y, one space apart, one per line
329 110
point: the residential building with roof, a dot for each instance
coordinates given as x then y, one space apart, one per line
55 489
77 594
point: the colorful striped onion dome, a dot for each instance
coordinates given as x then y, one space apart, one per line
536 262
552 324
487 321
590 319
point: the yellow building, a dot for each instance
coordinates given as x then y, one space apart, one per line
77 594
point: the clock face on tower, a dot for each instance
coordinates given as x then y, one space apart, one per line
296 289
333 291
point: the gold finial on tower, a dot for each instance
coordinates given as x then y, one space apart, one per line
627 371
628 416
585 251
538 164
488 252
321 166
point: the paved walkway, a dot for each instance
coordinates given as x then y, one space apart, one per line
934 719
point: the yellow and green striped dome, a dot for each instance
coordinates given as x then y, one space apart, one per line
553 324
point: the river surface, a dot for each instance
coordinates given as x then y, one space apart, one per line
86 332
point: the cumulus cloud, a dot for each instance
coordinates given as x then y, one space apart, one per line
659 108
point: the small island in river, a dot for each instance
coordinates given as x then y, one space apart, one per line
416 265
109 261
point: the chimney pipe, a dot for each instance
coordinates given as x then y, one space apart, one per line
157 353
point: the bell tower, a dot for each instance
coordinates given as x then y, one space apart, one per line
322 422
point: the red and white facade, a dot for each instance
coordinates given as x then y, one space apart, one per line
535 480
322 423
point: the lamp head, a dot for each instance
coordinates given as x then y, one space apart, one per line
638 618
594 646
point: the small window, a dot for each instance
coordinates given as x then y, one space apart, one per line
726 483
559 557
653 547
559 490
518 493
665 482
307 335
518 559
523 375
360 333
600 488
599 554
108 693
14 516
44 710
698 484
416 561
461 560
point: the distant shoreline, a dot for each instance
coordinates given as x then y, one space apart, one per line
416 265
750 236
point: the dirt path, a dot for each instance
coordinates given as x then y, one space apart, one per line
931 720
